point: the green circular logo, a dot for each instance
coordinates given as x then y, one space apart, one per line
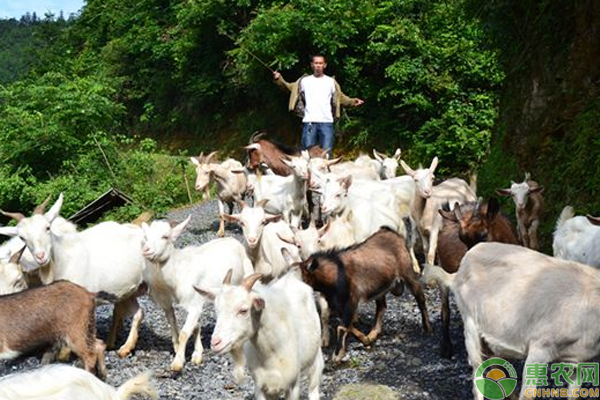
494 383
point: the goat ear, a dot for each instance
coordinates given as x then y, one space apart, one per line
286 239
145 227
176 231
593 220
253 146
272 218
262 203
346 182
9 231
409 171
537 189
258 302
195 161
434 164
334 161
287 256
324 228
493 208
55 209
397 154
14 259
504 192
377 155
209 294
232 217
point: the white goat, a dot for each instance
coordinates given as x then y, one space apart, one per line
11 274
525 305
261 234
429 199
529 205
170 273
286 194
229 178
577 238
278 327
103 259
60 382
387 165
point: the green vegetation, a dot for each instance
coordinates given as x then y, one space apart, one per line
180 74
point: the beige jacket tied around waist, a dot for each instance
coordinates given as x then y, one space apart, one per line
296 103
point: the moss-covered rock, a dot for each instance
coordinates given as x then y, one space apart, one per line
366 392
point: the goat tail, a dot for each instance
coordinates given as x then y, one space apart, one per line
437 274
566 214
473 181
140 384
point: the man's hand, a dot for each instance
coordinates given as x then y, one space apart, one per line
358 102
276 75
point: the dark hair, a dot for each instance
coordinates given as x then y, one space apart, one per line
312 58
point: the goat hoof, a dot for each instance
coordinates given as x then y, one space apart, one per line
197 358
176 365
238 376
123 352
221 233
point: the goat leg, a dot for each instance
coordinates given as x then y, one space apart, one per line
446 342
381 306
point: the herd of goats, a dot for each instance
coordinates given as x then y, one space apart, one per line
321 236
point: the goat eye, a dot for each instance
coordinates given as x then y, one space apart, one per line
243 312
166 237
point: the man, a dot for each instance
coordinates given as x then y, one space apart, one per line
318 99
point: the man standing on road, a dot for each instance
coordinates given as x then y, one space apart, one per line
318 99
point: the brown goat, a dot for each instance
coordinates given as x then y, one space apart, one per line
262 151
464 227
361 273
61 313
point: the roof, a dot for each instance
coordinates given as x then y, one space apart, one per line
92 212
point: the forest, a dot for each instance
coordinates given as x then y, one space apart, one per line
122 93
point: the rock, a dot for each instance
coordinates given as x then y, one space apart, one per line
362 391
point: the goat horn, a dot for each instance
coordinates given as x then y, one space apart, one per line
457 211
39 210
14 215
227 280
256 136
477 207
211 155
249 281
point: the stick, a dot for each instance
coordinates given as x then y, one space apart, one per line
251 53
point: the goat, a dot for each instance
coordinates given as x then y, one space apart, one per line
261 236
169 272
529 205
59 313
428 199
59 382
230 182
11 274
104 258
577 238
360 273
463 227
524 305
387 165
262 151
286 194
278 327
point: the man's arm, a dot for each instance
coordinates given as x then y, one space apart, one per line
347 101
279 81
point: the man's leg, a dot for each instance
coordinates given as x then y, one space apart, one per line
309 135
326 137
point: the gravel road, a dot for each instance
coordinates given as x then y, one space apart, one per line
402 357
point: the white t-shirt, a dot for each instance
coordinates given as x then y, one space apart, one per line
317 95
